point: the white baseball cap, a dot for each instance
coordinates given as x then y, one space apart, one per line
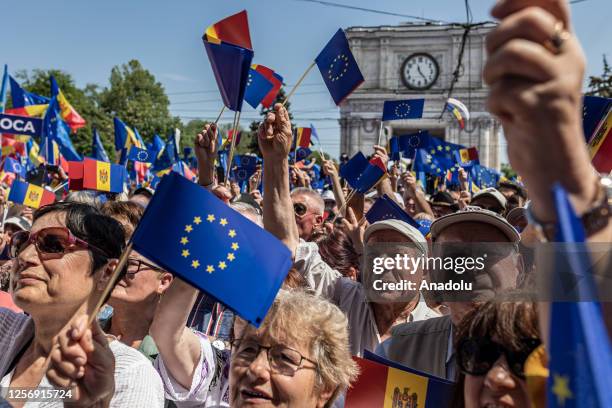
475 214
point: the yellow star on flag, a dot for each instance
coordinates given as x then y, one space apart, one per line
561 389
184 240
210 218
188 228
235 246
222 265
440 148
197 220
223 222
231 256
232 233
210 269
185 253
195 263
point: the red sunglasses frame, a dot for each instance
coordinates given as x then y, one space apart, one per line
70 239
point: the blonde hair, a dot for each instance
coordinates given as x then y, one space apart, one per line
295 316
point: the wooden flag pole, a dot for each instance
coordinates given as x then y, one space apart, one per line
220 113
297 84
230 157
380 132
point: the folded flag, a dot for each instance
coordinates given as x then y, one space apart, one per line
29 194
362 174
580 366
191 233
383 383
405 109
229 49
141 155
258 86
97 175
302 137
600 145
339 68
459 111
13 166
97 148
386 208
468 155
594 111
68 113
274 78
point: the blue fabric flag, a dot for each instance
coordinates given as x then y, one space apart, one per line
97 148
55 129
257 88
339 68
191 233
405 109
141 155
3 88
386 209
22 98
594 110
484 176
314 134
302 153
231 65
158 143
13 166
362 174
436 164
580 351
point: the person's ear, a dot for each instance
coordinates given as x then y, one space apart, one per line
325 395
164 282
107 272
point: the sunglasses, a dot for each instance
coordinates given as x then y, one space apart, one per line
476 356
52 242
300 209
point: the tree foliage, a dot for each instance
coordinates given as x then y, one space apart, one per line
602 85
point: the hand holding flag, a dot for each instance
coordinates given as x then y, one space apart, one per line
274 134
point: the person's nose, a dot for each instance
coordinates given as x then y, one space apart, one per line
499 378
259 369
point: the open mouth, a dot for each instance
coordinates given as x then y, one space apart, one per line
252 395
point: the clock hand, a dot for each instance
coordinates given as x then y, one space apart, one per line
422 74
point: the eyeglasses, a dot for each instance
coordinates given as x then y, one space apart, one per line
300 209
283 360
135 265
52 242
476 356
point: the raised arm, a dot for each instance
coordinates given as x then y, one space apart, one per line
205 147
275 138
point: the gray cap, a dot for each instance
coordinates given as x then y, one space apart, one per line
20 222
403 228
491 192
475 214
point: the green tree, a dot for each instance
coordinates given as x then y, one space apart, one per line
602 85
508 171
139 100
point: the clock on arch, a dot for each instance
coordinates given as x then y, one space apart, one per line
420 71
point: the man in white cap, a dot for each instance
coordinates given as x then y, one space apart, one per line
490 199
427 346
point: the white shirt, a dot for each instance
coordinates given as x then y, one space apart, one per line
136 382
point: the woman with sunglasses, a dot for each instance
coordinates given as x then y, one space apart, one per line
493 343
61 270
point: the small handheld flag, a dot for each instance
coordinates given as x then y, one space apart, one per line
96 175
97 148
30 195
302 137
13 166
258 86
141 155
362 174
190 232
68 113
459 111
405 109
385 209
467 155
274 78
600 145
339 68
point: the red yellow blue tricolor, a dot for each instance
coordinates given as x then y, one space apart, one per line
303 137
459 111
600 145
103 176
232 30
29 194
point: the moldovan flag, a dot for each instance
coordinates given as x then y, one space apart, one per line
600 145
385 384
29 194
100 176
467 155
68 113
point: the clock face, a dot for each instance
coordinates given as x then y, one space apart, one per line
420 71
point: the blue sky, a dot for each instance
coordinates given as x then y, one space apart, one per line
87 39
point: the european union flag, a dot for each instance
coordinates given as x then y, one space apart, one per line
406 145
362 174
55 129
580 351
190 232
302 153
484 176
405 109
245 167
13 166
338 68
386 209
141 155
257 88
97 149
431 163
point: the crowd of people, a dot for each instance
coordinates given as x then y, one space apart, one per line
158 341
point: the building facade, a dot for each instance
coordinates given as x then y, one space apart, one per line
420 61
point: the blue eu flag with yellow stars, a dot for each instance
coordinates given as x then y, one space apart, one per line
339 68
406 109
191 233
580 350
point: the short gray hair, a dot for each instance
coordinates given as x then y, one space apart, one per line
248 211
85 197
316 199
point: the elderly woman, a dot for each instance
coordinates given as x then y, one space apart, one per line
61 269
493 343
299 357
136 296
